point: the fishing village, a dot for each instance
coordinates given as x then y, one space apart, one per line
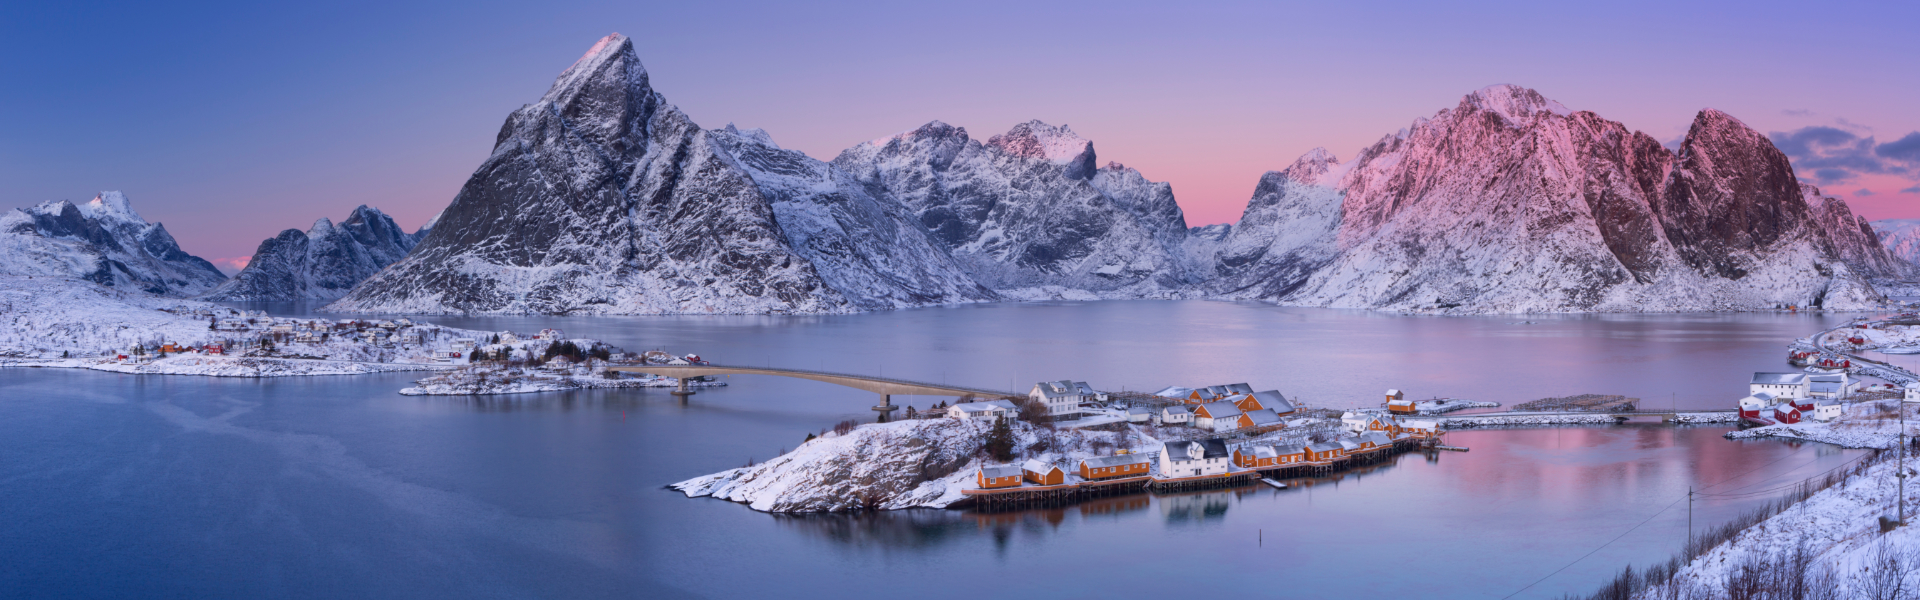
1066 442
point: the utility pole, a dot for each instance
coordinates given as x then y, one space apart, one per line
1689 547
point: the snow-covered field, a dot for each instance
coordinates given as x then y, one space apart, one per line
905 464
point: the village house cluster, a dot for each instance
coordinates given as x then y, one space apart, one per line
1774 398
1232 408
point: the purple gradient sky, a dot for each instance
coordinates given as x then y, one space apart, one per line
232 122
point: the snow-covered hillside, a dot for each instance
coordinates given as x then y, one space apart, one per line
103 241
1900 236
1028 211
914 463
322 263
45 317
1510 202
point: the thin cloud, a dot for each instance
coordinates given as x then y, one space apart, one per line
1797 112
1911 190
1863 192
1833 155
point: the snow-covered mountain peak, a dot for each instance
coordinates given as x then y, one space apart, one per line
111 206
1034 139
1313 168
610 58
322 227
756 134
1517 104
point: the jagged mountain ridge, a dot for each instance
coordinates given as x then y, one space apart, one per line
601 198
1901 237
103 241
1510 202
322 263
1028 213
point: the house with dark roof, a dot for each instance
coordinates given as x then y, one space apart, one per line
1194 459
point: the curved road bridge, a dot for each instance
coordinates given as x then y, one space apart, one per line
885 387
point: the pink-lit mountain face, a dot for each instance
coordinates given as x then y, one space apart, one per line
1509 202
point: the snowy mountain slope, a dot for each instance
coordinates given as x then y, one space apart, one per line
1510 202
1028 210
602 198
103 241
322 263
867 248
1854 239
1901 237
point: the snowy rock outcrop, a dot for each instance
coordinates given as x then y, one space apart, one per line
102 241
1028 213
322 263
1512 203
601 198
1901 237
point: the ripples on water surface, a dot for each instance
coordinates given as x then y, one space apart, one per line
116 485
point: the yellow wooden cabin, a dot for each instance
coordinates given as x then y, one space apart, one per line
1108 467
1040 473
997 477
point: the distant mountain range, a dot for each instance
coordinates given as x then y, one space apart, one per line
602 198
322 263
103 241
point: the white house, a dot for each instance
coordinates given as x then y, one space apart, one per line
1781 385
991 409
1175 415
551 335
1193 459
1831 385
1088 394
1062 398
1912 392
1139 414
508 337
1826 411
1217 416
1359 422
1751 406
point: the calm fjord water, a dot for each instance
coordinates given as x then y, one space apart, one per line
159 486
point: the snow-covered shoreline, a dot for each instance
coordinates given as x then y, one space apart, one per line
224 366
886 466
492 381
1864 425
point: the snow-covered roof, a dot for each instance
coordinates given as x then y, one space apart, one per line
1239 388
1176 409
1274 400
1000 471
1221 410
1379 439
1139 410
1174 391
1056 389
1779 378
985 406
1827 378
1036 466
1393 392
1400 403
1323 446
1115 460
1264 416
1350 444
